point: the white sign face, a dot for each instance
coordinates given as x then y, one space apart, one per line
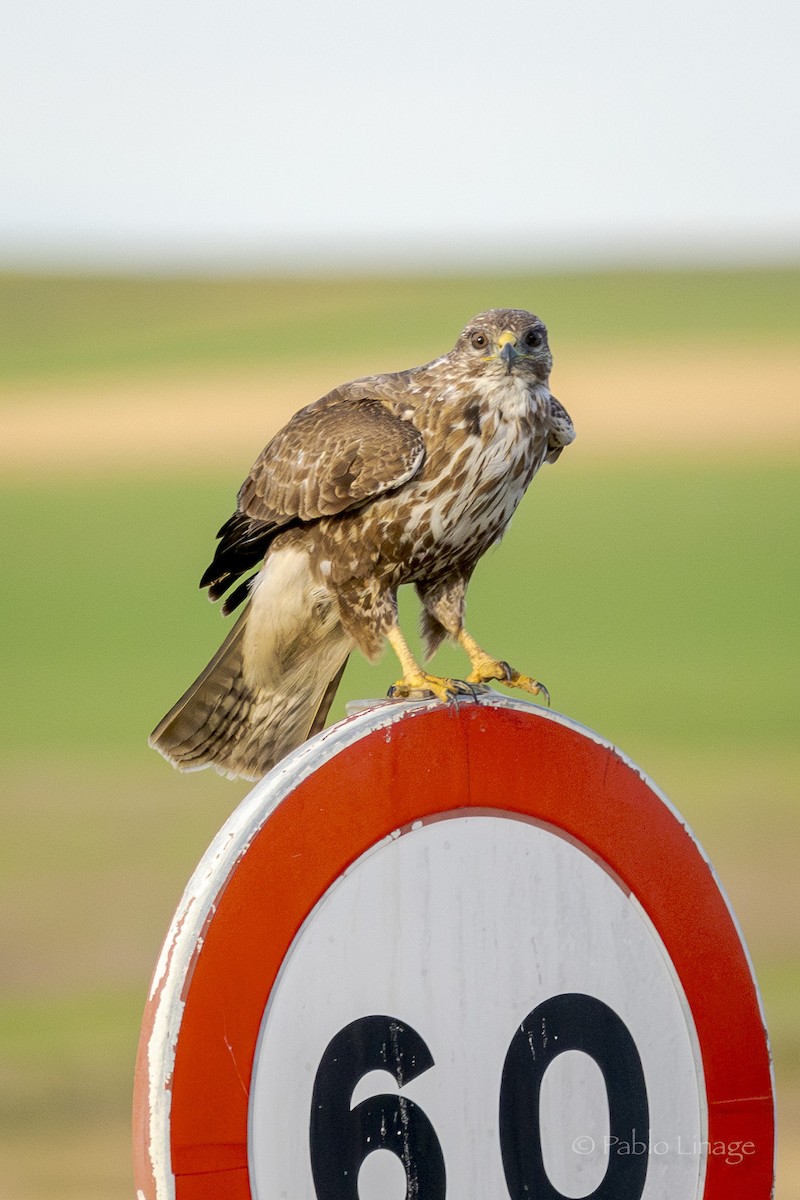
477 1006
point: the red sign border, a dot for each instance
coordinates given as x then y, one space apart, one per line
428 762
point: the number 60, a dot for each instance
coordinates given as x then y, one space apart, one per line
341 1137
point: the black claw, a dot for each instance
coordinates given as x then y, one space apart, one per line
545 693
507 671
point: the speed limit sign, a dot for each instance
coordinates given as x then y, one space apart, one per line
461 951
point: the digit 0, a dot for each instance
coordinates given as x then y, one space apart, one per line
572 1021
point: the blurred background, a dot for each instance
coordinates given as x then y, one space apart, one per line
210 216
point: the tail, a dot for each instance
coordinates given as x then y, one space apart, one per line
270 684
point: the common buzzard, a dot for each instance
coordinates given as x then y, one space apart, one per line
391 479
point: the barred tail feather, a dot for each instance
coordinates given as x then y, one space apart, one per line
269 686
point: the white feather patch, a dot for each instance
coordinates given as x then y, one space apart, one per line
290 617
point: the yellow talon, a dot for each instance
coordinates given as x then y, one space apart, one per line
415 679
441 687
484 668
529 685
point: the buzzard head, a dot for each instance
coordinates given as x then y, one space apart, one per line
506 341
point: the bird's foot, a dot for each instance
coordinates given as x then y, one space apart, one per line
487 668
437 685
527 684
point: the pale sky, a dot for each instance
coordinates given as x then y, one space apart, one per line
421 132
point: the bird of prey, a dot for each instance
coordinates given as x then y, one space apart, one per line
392 479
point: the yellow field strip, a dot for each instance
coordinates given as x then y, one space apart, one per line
694 400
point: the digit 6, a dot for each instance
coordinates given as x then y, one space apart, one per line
341 1137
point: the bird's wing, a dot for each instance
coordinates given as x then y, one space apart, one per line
560 430
332 456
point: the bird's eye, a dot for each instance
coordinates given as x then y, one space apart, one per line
533 338
479 341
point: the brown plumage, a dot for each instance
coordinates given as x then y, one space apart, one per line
392 479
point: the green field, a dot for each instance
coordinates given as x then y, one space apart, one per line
656 596
658 602
81 325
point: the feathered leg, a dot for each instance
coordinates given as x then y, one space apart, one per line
443 614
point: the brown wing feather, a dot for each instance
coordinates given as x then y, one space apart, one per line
560 430
332 456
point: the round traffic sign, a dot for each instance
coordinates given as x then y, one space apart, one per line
454 951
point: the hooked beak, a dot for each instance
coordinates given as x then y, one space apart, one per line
507 345
509 355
